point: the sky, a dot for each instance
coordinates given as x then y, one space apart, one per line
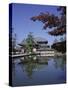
22 25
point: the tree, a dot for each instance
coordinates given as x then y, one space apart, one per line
29 42
60 46
56 23
53 21
14 38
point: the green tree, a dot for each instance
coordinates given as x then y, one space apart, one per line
30 43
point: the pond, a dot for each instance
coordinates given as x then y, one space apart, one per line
38 70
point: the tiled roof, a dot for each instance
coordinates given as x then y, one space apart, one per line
36 39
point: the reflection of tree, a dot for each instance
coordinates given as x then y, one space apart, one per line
60 62
29 69
31 65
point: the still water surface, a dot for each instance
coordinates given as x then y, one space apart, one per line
38 70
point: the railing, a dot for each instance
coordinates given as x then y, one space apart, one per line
25 54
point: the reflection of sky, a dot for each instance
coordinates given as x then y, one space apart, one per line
23 25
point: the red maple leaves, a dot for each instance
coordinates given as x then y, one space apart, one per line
52 21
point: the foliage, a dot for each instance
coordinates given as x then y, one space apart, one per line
53 21
60 46
29 43
56 23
